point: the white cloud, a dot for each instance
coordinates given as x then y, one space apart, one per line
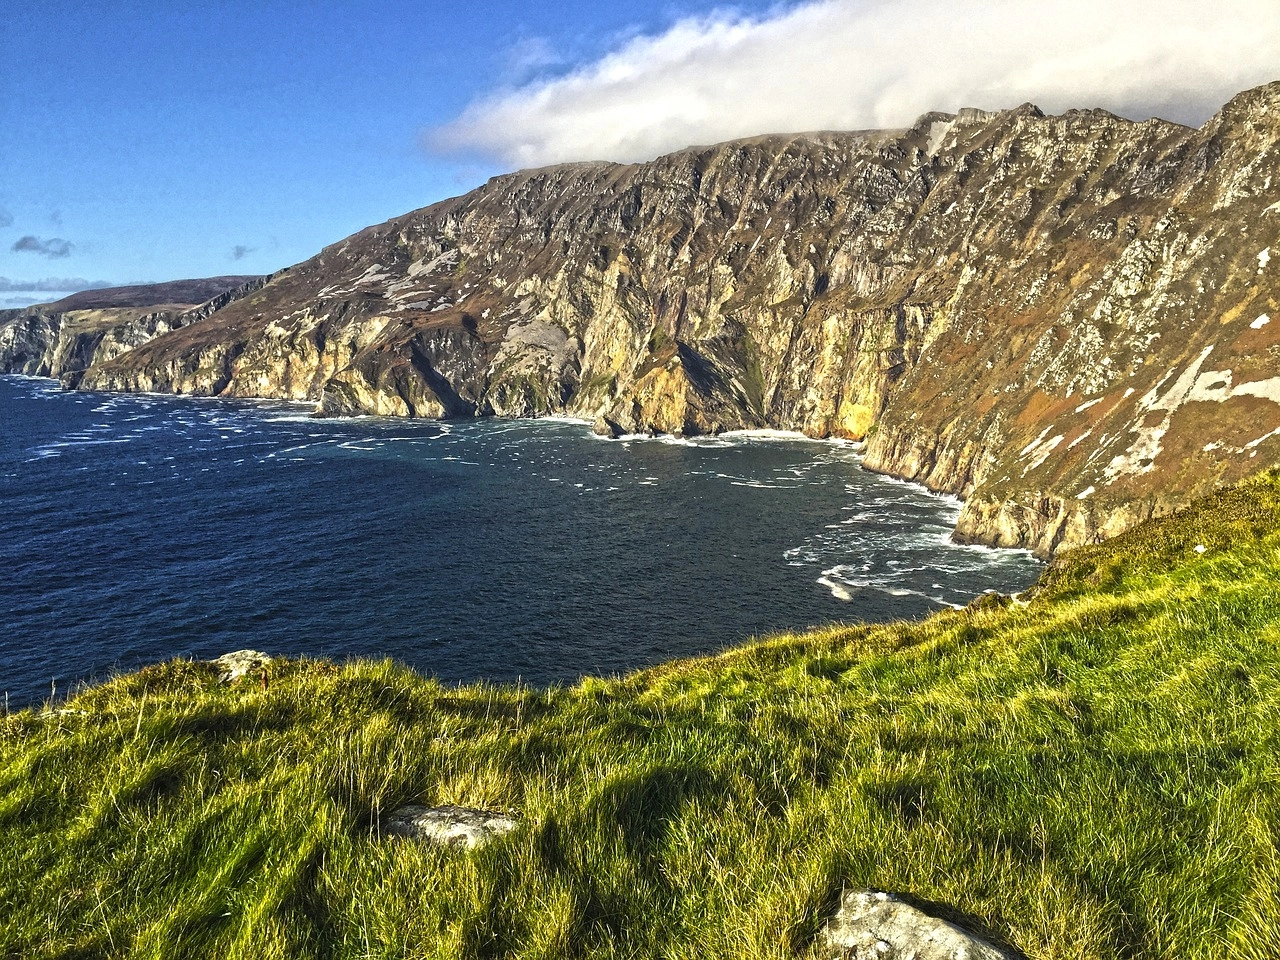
50 284
847 65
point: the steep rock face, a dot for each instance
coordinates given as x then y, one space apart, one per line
65 338
1131 376
1066 320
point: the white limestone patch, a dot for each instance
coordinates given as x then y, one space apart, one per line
1264 257
1079 440
1141 455
938 131
1089 403
1086 493
1212 386
1268 389
1036 442
1043 454
373 274
1254 444
1261 322
447 259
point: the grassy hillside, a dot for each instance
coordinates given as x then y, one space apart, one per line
1094 773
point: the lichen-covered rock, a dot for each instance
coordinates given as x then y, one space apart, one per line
448 825
1066 320
240 663
872 925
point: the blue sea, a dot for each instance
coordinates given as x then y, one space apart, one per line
135 528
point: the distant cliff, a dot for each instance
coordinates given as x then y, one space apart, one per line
66 337
1065 320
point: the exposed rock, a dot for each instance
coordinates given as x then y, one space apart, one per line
871 925
604 427
448 825
233 666
1062 319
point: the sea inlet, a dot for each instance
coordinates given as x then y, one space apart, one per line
135 528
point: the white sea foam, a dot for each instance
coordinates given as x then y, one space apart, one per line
839 591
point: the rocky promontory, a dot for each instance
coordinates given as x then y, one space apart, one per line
64 338
1066 320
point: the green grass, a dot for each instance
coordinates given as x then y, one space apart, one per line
1092 774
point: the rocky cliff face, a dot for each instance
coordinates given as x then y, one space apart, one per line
65 338
1066 320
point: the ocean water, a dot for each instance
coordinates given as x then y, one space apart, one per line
134 528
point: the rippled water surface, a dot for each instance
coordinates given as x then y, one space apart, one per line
136 528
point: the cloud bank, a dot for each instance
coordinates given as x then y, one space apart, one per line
859 64
51 285
25 293
55 248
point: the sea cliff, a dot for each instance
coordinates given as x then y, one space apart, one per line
1065 320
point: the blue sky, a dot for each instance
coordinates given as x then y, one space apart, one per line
167 140
151 141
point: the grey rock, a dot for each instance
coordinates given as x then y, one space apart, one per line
233 666
872 925
448 825
604 427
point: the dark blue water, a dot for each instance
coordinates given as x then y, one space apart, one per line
137 528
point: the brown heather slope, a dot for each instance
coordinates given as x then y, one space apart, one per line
1065 320
188 292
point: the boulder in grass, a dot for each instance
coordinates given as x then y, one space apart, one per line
872 925
448 826
232 666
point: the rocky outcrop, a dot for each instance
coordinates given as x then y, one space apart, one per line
1065 320
240 663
